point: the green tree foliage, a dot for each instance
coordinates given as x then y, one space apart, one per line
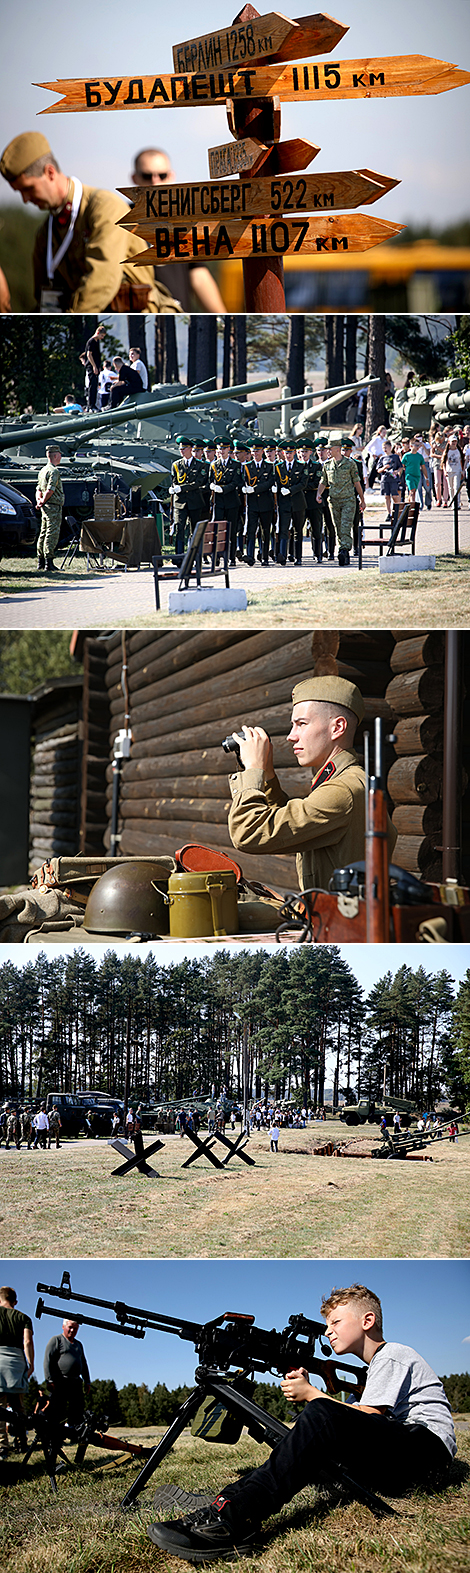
39 360
430 356
104 1400
458 1053
29 658
17 236
457 1389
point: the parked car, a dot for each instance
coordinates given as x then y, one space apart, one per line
19 524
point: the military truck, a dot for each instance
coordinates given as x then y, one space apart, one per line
370 1112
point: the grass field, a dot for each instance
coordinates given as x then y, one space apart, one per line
68 1202
82 1531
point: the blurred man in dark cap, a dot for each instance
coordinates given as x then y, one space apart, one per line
152 166
78 252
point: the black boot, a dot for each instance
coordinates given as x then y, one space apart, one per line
41 563
50 565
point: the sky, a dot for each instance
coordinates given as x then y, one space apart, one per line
422 141
426 1305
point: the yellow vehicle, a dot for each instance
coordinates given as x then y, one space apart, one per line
422 277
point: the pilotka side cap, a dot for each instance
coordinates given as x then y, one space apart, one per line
22 152
331 690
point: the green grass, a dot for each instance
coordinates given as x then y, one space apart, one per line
81 1530
293 1204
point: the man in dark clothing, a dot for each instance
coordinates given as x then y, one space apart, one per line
129 381
399 1435
66 1373
290 478
258 488
91 360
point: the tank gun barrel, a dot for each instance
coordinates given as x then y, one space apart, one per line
137 409
343 388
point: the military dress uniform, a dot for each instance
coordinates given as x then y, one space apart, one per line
341 476
51 512
290 479
314 513
227 478
188 480
259 477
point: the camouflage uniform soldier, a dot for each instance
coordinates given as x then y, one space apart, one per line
188 480
26 1128
55 1126
347 447
13 1133
341 476
50 499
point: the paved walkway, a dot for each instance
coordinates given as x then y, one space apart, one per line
116 599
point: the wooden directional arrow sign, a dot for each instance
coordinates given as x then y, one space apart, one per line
248 156
273 238
396 77
232 198
271 37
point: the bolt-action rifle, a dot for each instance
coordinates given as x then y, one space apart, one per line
231 1349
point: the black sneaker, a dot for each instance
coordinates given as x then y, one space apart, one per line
202 1537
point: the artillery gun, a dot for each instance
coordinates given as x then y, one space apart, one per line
414 408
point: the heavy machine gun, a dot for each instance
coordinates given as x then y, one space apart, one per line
231 1348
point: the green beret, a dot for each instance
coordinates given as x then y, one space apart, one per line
22 152
331 690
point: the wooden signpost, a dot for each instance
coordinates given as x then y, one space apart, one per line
243 64
263 238
233 198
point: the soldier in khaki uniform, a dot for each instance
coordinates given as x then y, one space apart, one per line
341 476
326 829
55 1127
50 499
78 253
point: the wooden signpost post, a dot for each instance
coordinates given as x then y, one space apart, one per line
244 66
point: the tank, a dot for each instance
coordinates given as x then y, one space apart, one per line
414 408
118 450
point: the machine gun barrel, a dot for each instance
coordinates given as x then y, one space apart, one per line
136 409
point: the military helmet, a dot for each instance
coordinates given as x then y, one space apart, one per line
129 899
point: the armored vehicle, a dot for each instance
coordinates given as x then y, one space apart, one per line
369 1112
415 407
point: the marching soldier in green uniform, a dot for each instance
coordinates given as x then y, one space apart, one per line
225 484
290 479
258 488
341 476
313 470
188 481
82 260
50 499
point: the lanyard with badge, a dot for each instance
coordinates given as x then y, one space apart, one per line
51 298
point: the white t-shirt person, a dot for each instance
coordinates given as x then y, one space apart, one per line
399 1380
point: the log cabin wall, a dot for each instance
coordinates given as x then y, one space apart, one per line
414 782
55 770
187 691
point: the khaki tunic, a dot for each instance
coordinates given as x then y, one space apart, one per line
95 265
326 829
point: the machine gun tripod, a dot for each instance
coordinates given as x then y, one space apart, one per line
231 1350
50 1433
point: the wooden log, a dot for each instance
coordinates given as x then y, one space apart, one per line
415 779
174 808
419 734
411 819
202 709
46 816
354 645
198 666
409 655
417 855
277 722
170 653
138 781
234 667
417 693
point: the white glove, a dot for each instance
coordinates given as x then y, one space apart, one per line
173 490
274 489
215 488
285 491
247 490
